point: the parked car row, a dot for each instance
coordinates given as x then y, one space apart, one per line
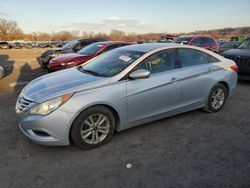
70 55
19 45
70 47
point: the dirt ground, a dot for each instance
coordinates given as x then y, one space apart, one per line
195 149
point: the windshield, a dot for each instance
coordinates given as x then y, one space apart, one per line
70 45
182 40
111 63
90 49
245 44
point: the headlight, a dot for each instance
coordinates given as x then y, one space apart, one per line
50 105
54 55
68 63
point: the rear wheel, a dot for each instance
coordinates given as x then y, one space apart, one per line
92 128
217 98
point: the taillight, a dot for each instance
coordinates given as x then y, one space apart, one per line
235 68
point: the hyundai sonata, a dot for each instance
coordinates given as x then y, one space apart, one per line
123 88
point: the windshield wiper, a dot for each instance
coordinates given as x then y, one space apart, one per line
80 68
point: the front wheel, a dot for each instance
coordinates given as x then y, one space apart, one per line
93 127
216 99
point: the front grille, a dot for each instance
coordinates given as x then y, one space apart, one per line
22 104
241 61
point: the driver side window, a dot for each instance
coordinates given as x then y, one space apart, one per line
159 62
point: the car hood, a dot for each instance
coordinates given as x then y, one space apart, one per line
237 52
62 82
60 50
69 57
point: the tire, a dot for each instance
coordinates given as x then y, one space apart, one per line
216 101
89 124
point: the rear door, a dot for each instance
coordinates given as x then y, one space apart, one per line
158 94
194 76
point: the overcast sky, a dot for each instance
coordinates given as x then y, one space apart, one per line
140 16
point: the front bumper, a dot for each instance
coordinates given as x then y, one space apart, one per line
52 129
44 61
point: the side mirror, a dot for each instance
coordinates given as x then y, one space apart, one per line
139 74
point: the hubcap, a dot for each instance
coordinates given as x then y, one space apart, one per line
218 98
95 128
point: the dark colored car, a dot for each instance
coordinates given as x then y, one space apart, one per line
29 45
54 44
206 42
62 43
5 45
17 45
167 38
228 46
43 45
241 56
221 42
71 47
87 53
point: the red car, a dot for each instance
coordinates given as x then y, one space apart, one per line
206 42
85 54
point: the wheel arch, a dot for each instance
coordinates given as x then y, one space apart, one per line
111 108
224 83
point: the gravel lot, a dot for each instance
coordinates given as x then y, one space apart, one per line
195 149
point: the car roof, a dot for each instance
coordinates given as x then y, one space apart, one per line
146 47
114 42
90 39
192 36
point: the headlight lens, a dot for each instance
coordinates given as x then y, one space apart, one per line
49 106
54 54
68 63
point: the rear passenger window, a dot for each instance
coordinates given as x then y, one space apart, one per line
212 59
159 62
204 41
189 57
211 41
196 42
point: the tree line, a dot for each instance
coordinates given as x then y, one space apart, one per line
9 31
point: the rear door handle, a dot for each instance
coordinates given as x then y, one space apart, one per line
174 79
212 69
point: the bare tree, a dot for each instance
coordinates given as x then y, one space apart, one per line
117 35
9 30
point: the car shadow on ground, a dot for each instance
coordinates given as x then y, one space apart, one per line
26 75
244 82
7 64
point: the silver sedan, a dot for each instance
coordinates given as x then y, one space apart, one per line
123 88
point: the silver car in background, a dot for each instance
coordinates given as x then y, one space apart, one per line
1 72
123 88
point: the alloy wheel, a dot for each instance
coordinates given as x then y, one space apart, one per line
218 98
95 128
